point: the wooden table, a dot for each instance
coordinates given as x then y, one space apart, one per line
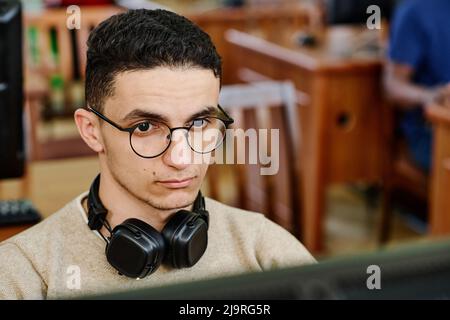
339 94
7 232
440 175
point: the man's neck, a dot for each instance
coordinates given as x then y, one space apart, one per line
122 205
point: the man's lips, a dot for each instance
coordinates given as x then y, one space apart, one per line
175 183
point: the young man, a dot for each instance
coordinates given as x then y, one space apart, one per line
418 69
152 82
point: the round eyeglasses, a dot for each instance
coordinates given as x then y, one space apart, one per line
150 139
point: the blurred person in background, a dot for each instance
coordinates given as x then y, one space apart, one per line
418 69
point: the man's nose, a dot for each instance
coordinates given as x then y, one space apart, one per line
179 154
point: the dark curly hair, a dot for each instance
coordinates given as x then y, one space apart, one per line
143 39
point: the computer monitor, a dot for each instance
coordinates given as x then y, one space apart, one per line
419 271
355 11
12 155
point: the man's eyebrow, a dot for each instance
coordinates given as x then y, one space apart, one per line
142 114
207 111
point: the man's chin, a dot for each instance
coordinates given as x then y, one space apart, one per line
174 200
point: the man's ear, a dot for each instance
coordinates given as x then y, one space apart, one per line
88 127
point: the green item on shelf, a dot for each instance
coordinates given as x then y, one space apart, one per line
33 45
56 82
56 94
54 45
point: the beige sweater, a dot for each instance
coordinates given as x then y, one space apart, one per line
43 261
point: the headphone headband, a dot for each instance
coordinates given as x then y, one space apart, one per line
96 210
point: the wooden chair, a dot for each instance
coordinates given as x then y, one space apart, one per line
399 172
262 105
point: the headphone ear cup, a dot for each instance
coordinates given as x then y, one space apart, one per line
186 237
135 248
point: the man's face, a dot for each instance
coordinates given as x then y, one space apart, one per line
175 95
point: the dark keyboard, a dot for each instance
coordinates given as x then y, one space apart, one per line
14 212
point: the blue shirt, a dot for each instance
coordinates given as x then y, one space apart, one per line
420 38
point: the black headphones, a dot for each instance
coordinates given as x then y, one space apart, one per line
136 249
